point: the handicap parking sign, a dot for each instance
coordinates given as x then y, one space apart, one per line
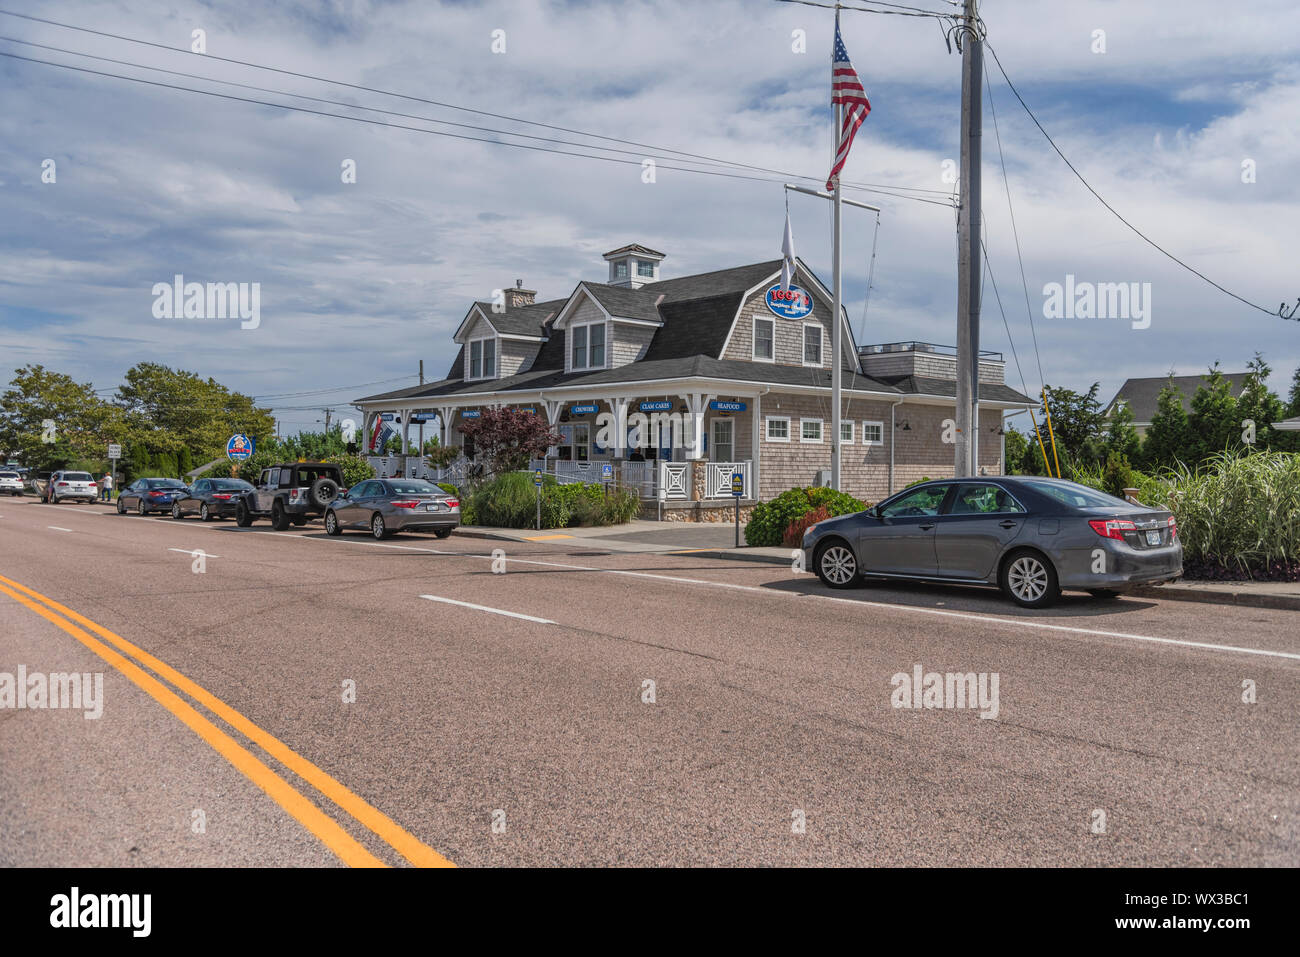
607 470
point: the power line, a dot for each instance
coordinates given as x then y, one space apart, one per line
444 105
418 129
1006 185
1115 212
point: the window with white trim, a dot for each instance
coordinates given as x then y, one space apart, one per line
846 432
810 430
764 339
873 433
482 358
778 428
645 268
812 343
588 346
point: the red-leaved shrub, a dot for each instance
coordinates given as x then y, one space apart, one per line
793 537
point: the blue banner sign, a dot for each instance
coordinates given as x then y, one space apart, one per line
582 409
470 414
717 406
793 303
423 416
386 416
655 407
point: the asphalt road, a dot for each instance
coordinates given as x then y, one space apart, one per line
504 720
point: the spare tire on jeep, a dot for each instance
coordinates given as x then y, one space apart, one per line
324 491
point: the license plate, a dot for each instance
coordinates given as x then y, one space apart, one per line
432 508
1153 536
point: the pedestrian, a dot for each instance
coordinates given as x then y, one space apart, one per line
106 487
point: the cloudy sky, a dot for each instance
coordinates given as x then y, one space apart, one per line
361 280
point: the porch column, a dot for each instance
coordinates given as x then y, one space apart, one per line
755 445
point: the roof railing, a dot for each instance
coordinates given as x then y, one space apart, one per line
913 345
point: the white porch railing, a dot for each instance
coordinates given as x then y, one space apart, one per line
674 480
718 479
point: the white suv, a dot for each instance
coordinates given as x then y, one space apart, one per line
76 486
11 483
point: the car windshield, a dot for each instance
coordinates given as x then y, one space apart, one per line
164 483
8 474
77 477
230 485
1079 496
414 487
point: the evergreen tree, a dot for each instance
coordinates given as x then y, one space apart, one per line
1261 406
1168 438
1121 436
1214 423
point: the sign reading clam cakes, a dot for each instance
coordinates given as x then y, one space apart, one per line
792 303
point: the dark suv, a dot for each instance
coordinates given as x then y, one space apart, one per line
290 494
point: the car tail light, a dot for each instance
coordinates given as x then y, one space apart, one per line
405 504
1111 527
157 494
453 503
293 494
1173 529
222 496
94 485
61 484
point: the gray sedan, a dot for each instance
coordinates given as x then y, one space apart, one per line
1029 536
385 506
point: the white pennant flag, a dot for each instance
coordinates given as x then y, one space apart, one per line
787 255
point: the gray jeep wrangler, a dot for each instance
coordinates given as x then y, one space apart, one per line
290 494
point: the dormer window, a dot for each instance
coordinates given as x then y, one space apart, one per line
588 350
645 269
620 270
482 358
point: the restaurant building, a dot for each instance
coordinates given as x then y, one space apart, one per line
676 383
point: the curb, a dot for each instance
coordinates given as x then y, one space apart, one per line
1241 598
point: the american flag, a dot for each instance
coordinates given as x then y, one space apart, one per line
846 91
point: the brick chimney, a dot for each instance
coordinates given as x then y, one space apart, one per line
519 296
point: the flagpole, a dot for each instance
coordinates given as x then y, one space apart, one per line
836 324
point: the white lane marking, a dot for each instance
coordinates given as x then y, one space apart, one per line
969 616
58 528
191 551
495 611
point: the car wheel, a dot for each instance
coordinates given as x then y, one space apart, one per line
377 526
1029 580
140 508
243 518
279 517
836 565
332 524
1104 594
204 514
121 507
443 532
176 510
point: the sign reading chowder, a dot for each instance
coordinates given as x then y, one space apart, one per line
792 303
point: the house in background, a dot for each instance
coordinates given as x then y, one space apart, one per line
1142 396
744 366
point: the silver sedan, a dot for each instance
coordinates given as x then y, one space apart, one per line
1029 536
385 506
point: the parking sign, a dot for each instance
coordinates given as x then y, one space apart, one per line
607 471
114 451
738 484
537 477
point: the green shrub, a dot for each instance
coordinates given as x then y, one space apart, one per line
355 468
510 501
769 520
1117 475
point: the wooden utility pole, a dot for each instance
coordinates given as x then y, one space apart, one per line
968 237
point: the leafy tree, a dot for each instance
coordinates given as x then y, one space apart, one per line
81 427
1117 475
1077 424
1293 397
1169 436
508 437
1017 447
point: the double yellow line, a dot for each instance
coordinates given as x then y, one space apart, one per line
326 829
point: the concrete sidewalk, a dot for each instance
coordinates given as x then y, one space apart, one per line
708 540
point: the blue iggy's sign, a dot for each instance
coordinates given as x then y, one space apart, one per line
792 303
239 448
